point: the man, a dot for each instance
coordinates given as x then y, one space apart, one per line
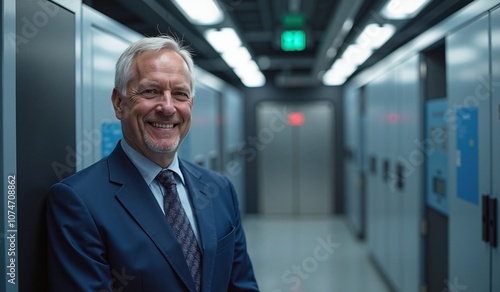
110 226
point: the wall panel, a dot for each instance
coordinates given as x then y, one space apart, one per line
7 136
204 143
45 125
233 119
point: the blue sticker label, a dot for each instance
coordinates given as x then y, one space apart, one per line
467 155
111 134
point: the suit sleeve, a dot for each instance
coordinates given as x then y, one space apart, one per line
76 253
242 275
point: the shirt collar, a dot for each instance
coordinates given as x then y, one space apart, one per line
148 168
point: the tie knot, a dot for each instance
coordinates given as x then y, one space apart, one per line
166 177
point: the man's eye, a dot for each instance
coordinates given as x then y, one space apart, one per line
150 93
181 94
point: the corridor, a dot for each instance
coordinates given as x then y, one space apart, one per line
309 254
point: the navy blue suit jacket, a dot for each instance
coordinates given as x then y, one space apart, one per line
106 232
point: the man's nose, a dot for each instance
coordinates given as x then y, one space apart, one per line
166 104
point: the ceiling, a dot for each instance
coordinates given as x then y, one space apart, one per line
258 23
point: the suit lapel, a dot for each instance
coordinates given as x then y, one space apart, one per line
136 197
203 210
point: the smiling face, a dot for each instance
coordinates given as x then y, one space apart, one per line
156 113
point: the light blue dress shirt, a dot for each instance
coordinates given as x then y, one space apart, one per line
149 170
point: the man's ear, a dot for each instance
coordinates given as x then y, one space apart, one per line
116 99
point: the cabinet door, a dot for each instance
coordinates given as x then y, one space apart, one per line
410 157
373 232
495 124
376 194
351 161
391 191
468 116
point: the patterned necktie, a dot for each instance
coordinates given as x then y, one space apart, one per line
180 224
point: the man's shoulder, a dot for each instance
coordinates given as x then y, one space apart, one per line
91 174
101 171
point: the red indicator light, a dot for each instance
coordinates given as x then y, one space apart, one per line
393 118
296 119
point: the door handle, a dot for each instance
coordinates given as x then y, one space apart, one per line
493 222
485 199
489 220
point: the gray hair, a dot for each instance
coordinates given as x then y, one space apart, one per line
124 71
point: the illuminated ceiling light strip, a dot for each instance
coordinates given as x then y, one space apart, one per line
223 40
403 9
344 67
371 38
374 36
356 54
250 74
235 57
257 79
227 43
333 78
201 12
249 66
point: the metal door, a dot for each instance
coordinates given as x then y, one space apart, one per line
469 115
295 162
352 155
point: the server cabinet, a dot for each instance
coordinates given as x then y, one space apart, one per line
469 124
394 195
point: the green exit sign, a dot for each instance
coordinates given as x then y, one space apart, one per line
293 40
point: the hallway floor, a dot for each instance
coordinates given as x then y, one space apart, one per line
308 254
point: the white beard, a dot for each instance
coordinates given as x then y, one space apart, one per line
160 148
